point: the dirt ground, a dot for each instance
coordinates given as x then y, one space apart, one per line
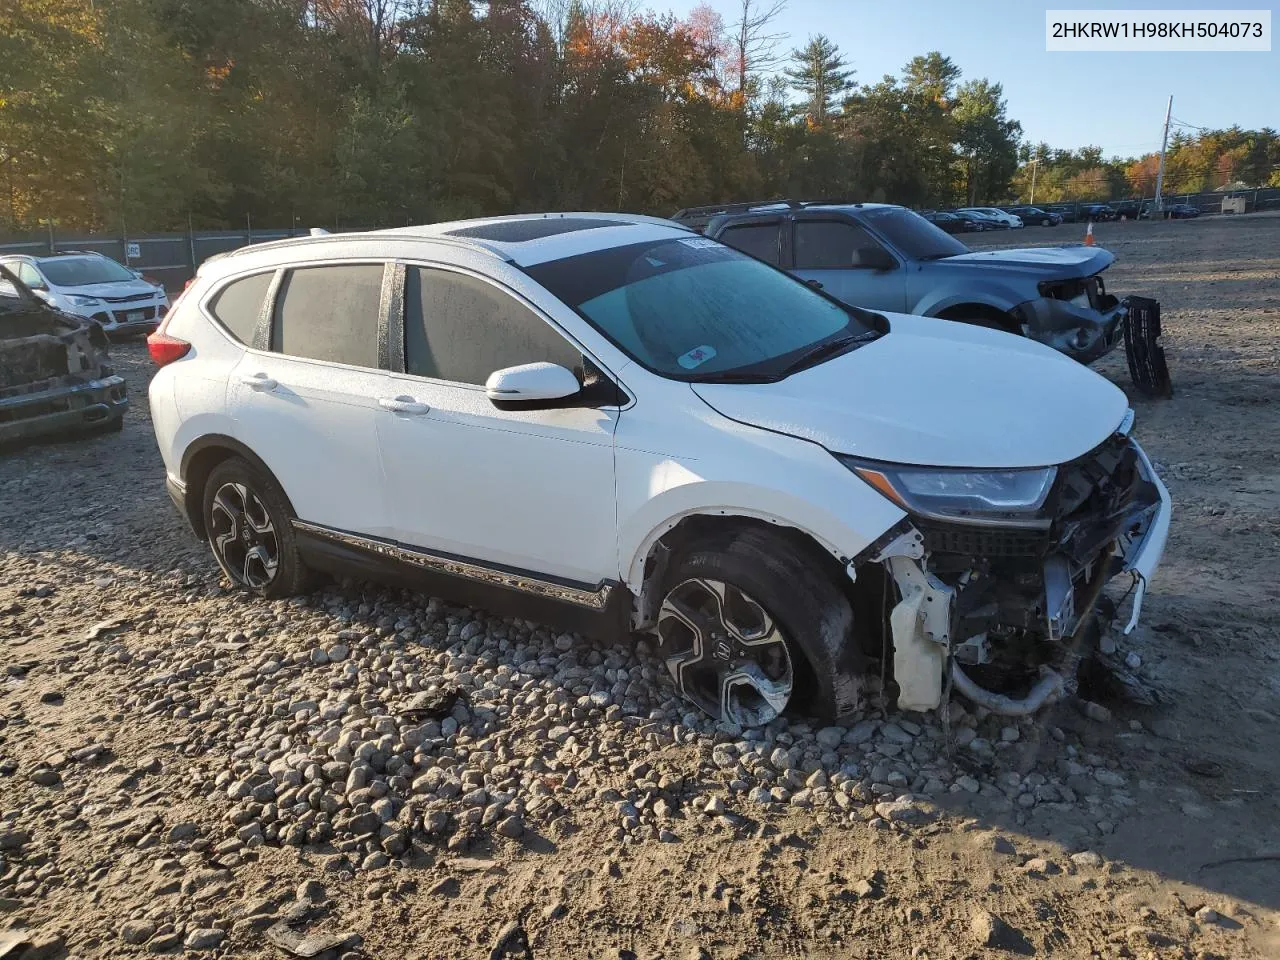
130 675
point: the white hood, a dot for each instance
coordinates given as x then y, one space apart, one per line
937 393
122 288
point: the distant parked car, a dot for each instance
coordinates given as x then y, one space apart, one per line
1034 215
949 222
1067 211
95 287
1182 211
995 213
1130 209
1099 212
978 221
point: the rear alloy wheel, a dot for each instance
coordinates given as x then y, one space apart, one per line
750 626
243 537
250 531
725 652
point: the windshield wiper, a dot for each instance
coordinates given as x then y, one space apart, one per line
739 377
825 351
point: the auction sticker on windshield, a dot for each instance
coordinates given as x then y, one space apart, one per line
699 242
696 357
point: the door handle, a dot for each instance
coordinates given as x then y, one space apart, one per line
259 381
403 405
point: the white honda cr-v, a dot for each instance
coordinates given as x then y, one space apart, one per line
625 427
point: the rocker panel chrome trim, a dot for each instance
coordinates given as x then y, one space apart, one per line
592 599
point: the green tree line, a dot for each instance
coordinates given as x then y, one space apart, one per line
152 114
1202 162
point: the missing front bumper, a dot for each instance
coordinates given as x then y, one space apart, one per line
1027 608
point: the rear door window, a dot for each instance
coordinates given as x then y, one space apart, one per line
829 244
238 305
330 313
759 240
460 328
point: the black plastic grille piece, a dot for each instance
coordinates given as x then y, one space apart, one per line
977 541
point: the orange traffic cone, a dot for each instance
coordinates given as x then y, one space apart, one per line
1088 235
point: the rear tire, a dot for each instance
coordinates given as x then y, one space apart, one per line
751 627
249 528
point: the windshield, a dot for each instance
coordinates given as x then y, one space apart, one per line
913 234
693 309
82 271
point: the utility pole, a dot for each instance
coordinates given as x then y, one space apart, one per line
1034 167
1164 144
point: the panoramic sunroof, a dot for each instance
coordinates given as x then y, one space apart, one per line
518 231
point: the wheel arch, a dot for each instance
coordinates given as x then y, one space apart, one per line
968 311
684 531
200 458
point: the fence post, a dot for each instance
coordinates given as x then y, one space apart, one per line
248 229
191 244
52 247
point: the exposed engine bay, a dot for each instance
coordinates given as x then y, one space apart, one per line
1004 612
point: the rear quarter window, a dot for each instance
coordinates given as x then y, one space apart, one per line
238 305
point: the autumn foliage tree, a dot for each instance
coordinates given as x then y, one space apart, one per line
152 114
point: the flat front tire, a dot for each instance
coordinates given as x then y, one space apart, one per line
250 530
751 627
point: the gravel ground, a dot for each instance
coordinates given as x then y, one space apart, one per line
371 773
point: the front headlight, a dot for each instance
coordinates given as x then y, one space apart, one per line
79 301
1012 497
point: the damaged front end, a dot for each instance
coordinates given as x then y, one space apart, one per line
54 374
1079 318
1001 606
1076 317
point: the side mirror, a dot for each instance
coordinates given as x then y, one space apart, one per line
530 382
874 258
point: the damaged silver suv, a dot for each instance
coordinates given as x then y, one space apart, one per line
883 257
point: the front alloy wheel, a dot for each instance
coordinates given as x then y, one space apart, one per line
243 537
725 652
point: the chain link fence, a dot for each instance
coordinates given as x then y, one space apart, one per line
1260 199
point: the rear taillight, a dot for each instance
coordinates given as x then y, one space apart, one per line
165 349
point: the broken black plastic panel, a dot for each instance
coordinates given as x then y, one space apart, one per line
1147 364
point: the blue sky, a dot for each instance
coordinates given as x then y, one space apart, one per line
1112 100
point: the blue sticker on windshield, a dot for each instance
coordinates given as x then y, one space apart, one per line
696 357
699 242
